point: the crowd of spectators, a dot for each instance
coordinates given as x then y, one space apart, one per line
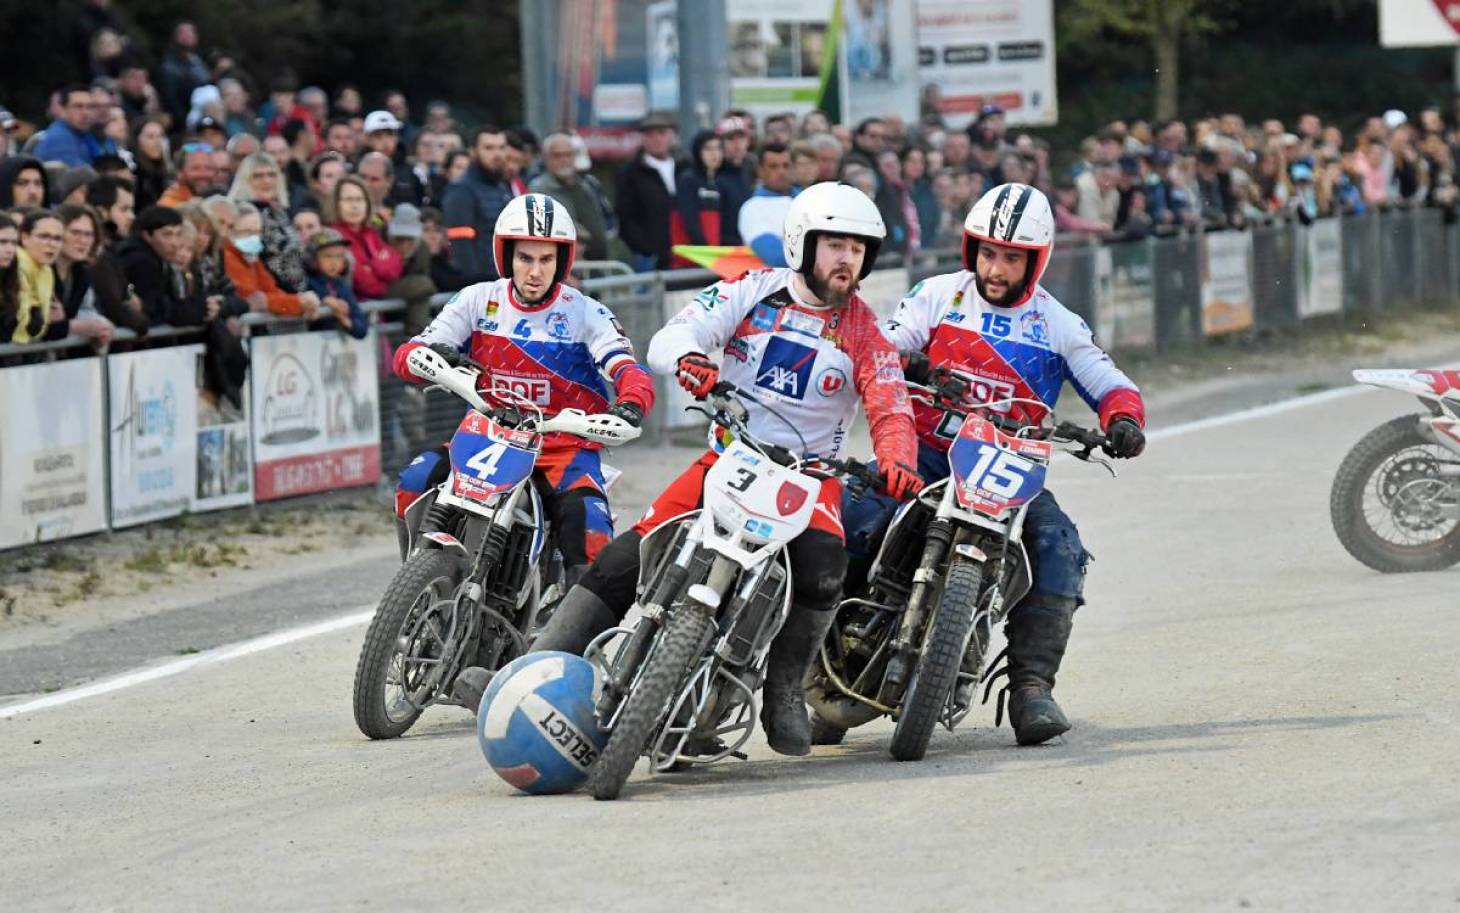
188 194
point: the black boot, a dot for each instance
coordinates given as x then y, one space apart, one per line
577 619
1037 636
783 707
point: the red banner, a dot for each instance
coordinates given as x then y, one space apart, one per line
347 468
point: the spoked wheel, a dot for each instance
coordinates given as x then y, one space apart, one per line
684 636
1391 507
927 695
399 665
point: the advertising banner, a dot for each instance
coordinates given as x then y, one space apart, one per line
1226 282
1320 268
783 56
880 43
1419 23
224 453
52 451
153 433
979 52
316 420
1125 297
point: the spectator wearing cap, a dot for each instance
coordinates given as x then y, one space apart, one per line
68 139
762 219
737 174
181 71
382 133
414 285
697 196
329 279
23 183
1166 200
195 175
243 258
260 182
579 194
646 189
989 129
1214 195
473 202
71 188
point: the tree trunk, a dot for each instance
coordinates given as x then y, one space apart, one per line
1166 42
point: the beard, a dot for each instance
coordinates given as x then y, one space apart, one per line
821 287
1012 291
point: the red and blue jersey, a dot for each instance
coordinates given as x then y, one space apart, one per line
568 352
1026 352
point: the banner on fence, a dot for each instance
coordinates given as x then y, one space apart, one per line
1125 297
224 454
1320 268
152 433
52 452
316 422
1226 282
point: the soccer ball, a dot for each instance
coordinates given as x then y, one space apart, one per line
536 724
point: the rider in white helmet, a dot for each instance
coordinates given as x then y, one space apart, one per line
994 321
551 344
805 344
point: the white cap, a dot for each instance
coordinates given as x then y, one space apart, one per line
1394 118
381 120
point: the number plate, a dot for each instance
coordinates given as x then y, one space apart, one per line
994 472
487 458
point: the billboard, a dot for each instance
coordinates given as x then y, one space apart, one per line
153 433
1227 305
1419 23
52 452
879 41
783 56
316 422
979 52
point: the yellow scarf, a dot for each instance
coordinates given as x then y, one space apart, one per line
37 288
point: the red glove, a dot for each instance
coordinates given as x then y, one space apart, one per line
697 374
901 481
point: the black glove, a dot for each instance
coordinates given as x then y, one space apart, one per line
630 412
1124 439
952 387
452 356
915 367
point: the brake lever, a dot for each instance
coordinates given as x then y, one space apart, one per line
1087 455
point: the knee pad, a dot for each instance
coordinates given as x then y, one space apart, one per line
1059 560
426 471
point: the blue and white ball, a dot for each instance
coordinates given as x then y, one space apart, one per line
536 724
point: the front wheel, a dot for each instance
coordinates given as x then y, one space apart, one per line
937 671
684 636
404 646
1390 506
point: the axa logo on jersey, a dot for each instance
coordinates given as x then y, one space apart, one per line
785 368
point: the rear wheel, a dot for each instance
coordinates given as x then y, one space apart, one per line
1389 501
937 671
685 634
404 646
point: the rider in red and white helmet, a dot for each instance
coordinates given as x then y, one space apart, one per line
541 340
994 321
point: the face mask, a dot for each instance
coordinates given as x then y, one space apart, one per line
249 245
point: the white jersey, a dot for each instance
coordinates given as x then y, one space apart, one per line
809 363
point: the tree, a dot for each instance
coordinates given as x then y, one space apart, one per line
1163 24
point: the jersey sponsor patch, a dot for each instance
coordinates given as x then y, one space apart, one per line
738 349
785 368
711 297
1033 327
534 389
830 382
557 324
763 317
805 324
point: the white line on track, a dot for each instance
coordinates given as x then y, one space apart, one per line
211 657
230 652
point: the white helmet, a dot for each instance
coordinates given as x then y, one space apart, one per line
1013 215
534 217
830 208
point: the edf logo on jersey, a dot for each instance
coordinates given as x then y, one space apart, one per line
785 368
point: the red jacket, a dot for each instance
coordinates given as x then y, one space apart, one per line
377 264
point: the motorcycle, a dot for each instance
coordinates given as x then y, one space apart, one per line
911 644
470 591
715 587
1395 502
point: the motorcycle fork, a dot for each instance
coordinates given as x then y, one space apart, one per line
908 642
468 605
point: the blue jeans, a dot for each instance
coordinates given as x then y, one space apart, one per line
1057 556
